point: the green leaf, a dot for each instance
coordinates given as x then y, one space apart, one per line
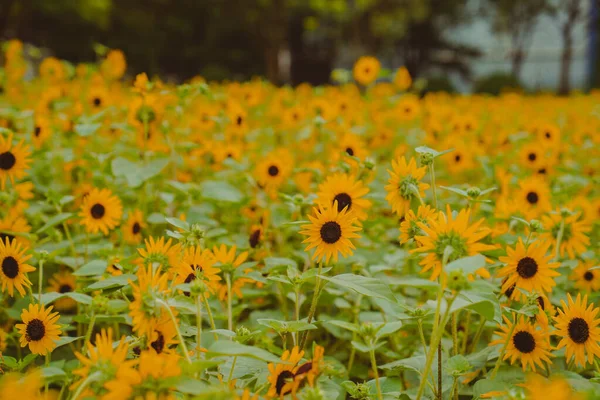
425 149
276 262
79 297
388 328
86 129
191 386
56 220
136 174
345 325
92 268
178 223
113 282
49 297
416 364
66 340
53 373
457 365
286 326
467 265
220 191
371 287
229 348
362 347
455 190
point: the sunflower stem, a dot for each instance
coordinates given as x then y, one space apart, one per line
504 347
439 371
478 333
179 336
231 370
91 378
455 332
88 333
210 317
422 335
229 301
198 326
436 337
559 237
432 175
70 239
41 279
313 305
454 390
355 311
374 366
463 347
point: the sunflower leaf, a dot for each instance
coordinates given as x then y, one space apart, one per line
52 222
92 268
229 348
371 287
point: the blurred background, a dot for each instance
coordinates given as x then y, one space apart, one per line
457 45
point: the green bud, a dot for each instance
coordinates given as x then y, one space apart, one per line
426 158
197 287
43 255
474 192
242 331
100 304
369 164
535 225
313 394
367 330
457 281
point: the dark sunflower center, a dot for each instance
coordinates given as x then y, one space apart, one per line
7 160
239 120
532 156
304 368
273 170
37 131
65 288
579 330
509 291
331 232
548 135
350 151
35 330
541 302
344 200
98 211
457 158
254 238
542 171
4 236
588 276
97 101
532 197
524 342
190 278
282 379
159 343
527 267
10 267
136 228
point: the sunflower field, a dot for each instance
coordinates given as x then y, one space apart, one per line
246 241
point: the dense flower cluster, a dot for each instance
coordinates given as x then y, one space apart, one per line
244 241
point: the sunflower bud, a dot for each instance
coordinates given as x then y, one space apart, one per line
369 164
100 304
42 255
457 281
367 330
314 394
197 287
535 225
474 192
426 158
359 391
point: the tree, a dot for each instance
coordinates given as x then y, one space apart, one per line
517 18
567 13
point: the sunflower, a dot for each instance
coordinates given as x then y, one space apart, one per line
409 227
408 108
197 263
132 229
528 268
347 191
14 269
352 145
330 232
549 135
101 211
16 386
273 170
3 342
14 160
105 357
163 336
404 184
144 311
281 376
97 97
114 65
573 240
533 156
41 131
366 70
39 329
311 369
538 387
533 197
577 326
402 79
448 230
63 282
11 228
227 258
528 343
586 278
158 251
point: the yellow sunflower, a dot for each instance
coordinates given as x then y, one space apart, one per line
100 211
227 257
312 368
63 282
39 329
42 130
114 65
528 268
16 386
347 191
3 342
538 387
163 336
162 252
573 240
14 160
533 197
330 232
529 343
448 230
586 278
402 79
12 226
281 376
14 268
404 184
409 227
273 170
145 315
197 263
577 326
366 70
132 229
351 144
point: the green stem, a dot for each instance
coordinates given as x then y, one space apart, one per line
229 301
422 335
198 325
467 324
559 237
499 360
91 378
313 305
454 390
355 311
432 175
439 371
88 333
41 280
374 366
210 317
435 341
478 333
70 239
179 336
455 332
231 370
